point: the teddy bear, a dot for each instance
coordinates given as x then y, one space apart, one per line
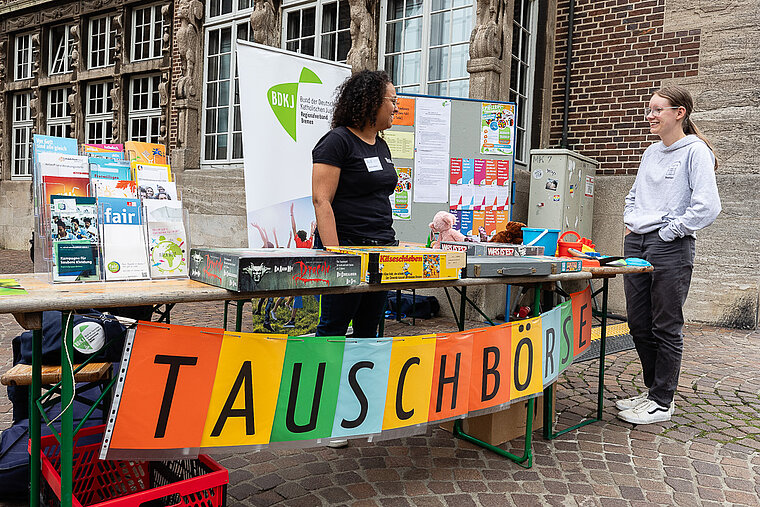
443 224
512 233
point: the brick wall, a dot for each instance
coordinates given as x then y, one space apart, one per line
621 54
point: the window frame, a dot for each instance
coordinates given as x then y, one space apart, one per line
23 125
423 82
26 52
67 63
109 35
103 118
319 6
524 110
149 113
154 43
230 20
54 123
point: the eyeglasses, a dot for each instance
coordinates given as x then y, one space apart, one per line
394 100
657 111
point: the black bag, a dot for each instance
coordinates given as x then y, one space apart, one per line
419 307
51 350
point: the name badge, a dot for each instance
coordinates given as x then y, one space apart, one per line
373 164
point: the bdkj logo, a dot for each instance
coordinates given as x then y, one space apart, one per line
283 99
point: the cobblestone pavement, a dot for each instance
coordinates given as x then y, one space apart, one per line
707 455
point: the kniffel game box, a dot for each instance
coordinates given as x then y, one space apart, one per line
386 264
474 249
251 269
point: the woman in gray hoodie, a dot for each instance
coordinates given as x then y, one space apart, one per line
674 196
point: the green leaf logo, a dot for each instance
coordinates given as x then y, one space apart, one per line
283 99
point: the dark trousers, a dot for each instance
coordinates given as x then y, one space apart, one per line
654 303
365 309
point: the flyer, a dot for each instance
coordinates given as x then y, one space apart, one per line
124 250
401 199
497 129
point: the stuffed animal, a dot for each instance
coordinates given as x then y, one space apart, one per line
443 224
512 233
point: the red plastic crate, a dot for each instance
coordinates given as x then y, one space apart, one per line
198 482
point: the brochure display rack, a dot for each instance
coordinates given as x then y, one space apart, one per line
107 212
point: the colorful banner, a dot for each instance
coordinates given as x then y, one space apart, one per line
183 390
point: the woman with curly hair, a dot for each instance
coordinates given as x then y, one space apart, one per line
352 177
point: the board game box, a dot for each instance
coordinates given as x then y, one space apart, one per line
474 249
386 264
252 269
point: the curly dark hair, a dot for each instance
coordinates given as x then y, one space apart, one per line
359 98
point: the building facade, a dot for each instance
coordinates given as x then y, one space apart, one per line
110 71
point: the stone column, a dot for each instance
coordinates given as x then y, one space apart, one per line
489 64
188 86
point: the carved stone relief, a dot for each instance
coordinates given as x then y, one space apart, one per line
362 54
23 21
265 22
163 102
190 14
56 13
486 49
116 101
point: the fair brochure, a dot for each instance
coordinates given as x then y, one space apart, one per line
112 151
63 165
431 157
161 190
152 172
497 129
115 188
124 249
145 153
168 249
109 169
52 144
401 144
74 231
401 199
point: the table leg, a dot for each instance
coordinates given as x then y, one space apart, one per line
239 315
549 433
462 307
67 417
35 391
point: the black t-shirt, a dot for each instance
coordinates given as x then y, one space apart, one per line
367 177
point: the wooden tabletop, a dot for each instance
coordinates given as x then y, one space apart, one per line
44 295
610 271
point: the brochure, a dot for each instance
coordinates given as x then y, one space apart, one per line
109 169
152 172
74 233
61 164
160 190
52 144
147 153
124 250
168 249
113 151
115 188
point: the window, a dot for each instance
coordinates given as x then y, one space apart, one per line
222 7
144 109
61 47
147 28
102 42
99 116
320 29
21 125
521 73
222 125
58 113
425 45
23 67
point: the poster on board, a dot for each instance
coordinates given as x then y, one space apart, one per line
497 127
286 107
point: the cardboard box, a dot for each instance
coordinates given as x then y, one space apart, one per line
250 269
503 426
488 249
396 264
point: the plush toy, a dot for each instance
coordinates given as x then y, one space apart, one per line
443 224
512 233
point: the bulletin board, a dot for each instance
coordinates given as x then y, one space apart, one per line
452 154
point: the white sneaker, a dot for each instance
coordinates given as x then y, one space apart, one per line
338 444
629 403
647 412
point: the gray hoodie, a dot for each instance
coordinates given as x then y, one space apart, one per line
675 190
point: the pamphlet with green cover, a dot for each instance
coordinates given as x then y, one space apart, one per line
75 238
